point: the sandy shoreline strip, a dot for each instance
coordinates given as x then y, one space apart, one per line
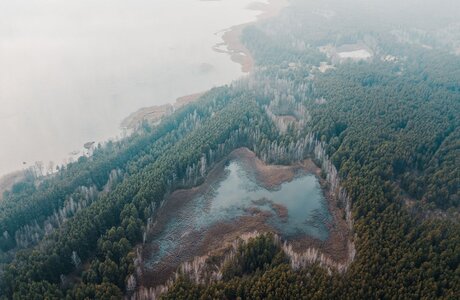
232 36
153 114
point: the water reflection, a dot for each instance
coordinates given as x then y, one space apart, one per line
294 208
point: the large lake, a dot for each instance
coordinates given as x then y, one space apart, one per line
70 71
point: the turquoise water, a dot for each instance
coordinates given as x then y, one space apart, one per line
233 195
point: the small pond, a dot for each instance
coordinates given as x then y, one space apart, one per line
295 208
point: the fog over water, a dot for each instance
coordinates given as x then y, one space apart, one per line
70 71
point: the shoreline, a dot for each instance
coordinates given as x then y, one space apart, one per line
153 114
238 52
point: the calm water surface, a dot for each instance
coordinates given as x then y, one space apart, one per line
70 71
230 198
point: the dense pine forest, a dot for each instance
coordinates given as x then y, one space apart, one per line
388 124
